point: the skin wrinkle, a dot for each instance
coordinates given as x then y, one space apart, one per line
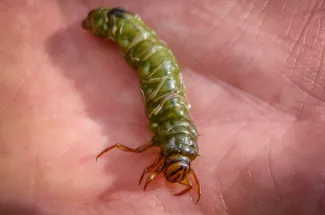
293 172
302 89
270 172
268 107
287 33
287 56
282 13
233 184
240 95
262 18
256 154
213 29
228 151
222 199
231 90
308 69
211 13
307 78
303 103
238 35
16 90
293 168
294 45
256 105
295 58
292 22
225 46
286 152
314 83
245 98
189 34
295 42
287 39
318 71
235 39
233 145
304 37
231 41
318 29
249 11
208 108
227 14
316 77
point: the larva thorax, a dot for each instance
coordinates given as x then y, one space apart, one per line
161 85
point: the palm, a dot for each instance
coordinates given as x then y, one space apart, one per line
254 80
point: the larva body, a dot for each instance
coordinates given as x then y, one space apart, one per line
162 90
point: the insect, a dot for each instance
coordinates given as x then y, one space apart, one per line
163 93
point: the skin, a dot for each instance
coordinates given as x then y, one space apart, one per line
254 72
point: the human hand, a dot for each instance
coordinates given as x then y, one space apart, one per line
254 76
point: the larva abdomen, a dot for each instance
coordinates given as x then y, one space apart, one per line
157 68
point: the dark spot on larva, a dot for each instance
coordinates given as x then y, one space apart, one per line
176 178
173 173
181 160
117 11
185 173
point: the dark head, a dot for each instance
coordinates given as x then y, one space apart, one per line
179 151
102 21
177 167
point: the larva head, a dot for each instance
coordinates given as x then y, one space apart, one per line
179 150
102 21
177 167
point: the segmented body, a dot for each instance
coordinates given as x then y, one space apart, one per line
162 89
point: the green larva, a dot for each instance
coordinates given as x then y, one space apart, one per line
162 90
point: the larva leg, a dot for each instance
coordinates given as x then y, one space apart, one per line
156 170
187 183
198 185
149 168
146 170
151 177
125 148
